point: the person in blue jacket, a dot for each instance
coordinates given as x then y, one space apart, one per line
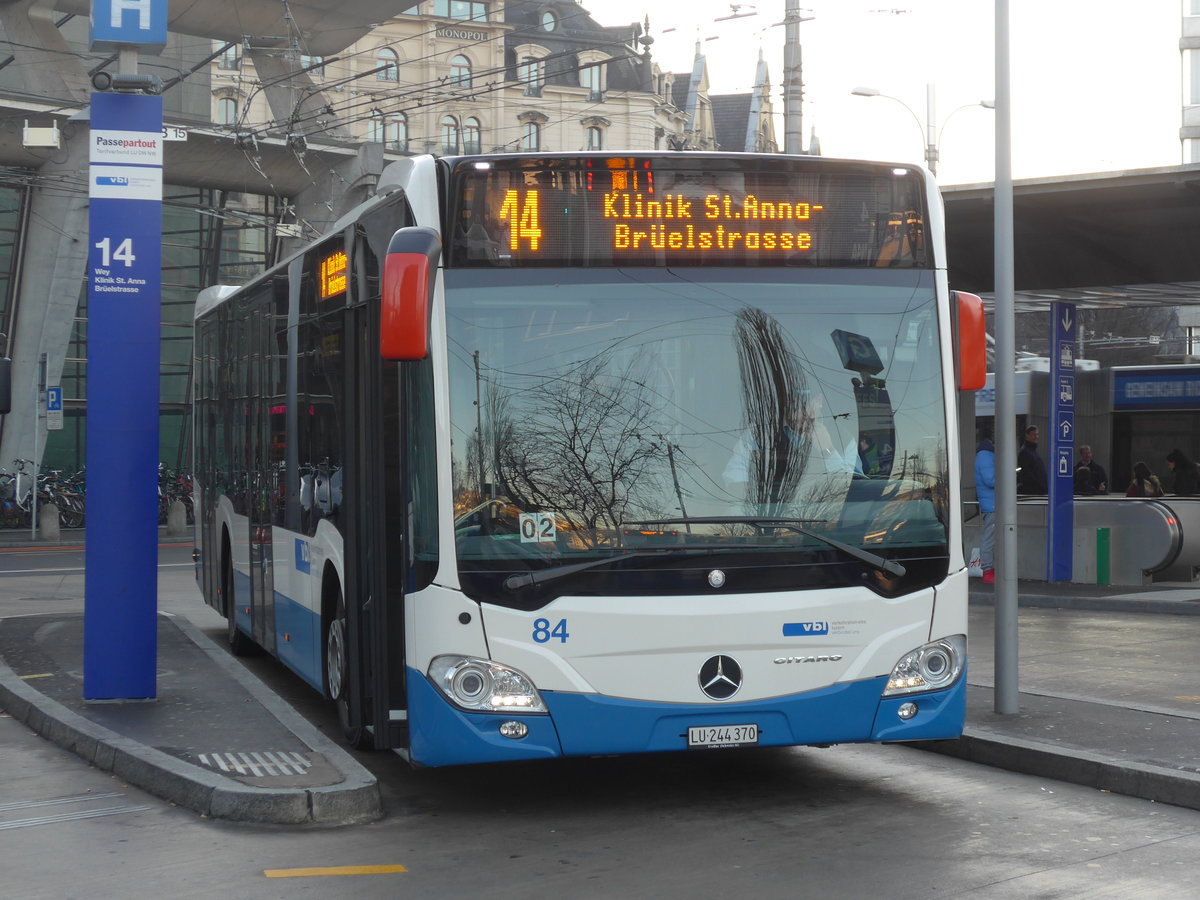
985 491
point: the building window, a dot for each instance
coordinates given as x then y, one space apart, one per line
449 135
472 135
595 137
397 134
391 131
314 65
529 72
387 65
531 136
227 111
467 10
230 58
549 20
589 77
460 71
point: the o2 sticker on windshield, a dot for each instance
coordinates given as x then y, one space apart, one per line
537 527
543 632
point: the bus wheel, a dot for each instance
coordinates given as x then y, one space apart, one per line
239 643
337 676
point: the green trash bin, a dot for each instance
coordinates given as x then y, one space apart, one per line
1103 547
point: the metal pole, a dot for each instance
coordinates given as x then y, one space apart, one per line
1006 695
931 147
793 85
37 424
39 393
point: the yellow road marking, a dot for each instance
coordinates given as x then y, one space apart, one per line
1191 699
43 675
318 871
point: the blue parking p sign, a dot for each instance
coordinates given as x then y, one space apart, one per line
54 408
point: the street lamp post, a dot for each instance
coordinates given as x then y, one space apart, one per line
930 135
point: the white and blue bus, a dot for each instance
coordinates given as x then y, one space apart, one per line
572 454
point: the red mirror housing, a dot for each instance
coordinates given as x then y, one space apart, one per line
971 348
406 296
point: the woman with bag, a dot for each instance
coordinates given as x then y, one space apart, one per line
1145 483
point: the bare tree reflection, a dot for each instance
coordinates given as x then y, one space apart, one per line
582 445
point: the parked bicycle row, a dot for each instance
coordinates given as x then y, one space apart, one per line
68 493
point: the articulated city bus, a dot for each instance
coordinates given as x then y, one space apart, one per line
544 455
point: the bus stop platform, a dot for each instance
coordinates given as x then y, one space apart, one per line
1109 697
1108 688
214 740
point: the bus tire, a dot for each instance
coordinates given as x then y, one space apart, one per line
240 644
337 675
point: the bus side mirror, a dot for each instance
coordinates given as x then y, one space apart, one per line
5 386
406 299
971 341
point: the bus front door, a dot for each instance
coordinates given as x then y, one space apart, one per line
262 579
374 540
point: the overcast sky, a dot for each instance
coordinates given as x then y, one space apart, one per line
1096 84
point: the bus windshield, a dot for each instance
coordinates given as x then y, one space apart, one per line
660 424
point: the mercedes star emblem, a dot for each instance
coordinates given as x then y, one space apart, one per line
720 677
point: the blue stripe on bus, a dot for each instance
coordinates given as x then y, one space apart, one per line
297 632
589 724
241 601
298 640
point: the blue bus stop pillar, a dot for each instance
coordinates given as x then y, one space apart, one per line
120 646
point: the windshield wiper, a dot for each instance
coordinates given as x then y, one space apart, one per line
891 567
554 573
541 576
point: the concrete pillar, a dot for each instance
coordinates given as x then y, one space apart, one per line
177 519
43 62
336 191
51 279
292 95
49 524
55 241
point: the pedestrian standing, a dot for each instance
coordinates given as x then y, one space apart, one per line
1097 477
1187 478
1031 471
1145 483
985 492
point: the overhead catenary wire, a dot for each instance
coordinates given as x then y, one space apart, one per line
435 92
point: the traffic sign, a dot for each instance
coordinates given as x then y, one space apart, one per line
1060 514
54 408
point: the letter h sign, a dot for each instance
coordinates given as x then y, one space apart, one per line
117 23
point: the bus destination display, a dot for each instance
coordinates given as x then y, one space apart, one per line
332 272
722 211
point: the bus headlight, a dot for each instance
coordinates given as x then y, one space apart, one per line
484 686
932 667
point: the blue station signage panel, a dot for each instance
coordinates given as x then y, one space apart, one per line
1060 513
124 272
1155 388
128 22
